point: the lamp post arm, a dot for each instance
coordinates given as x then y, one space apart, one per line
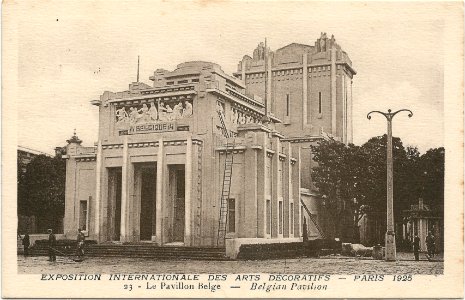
407 110
376 111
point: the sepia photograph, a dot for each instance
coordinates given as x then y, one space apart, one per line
232 149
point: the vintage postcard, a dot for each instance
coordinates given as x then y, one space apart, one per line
247 149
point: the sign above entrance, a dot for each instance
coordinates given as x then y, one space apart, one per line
150 128
154 127
160 117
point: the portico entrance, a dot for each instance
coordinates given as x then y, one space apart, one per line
177 202
114 203
145 190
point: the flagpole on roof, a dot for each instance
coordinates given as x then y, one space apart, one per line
138 68
266 83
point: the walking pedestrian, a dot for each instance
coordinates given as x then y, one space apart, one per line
52 241
416 247
80 243
430 244
26 243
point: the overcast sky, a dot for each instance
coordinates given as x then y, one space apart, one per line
70 54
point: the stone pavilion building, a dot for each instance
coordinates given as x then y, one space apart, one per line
158 169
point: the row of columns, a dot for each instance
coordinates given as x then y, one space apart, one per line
256 194
128 205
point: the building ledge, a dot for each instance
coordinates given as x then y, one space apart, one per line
270 152
253 127
229 149
83 155
247 102
302 139
151 96
278 134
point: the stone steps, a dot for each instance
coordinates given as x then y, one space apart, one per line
139 250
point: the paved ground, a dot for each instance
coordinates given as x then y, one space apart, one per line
326 265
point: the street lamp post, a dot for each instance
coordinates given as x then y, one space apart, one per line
390 233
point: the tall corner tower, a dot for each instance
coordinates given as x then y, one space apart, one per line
309 87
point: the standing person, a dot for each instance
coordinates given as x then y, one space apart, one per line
304 231
430 244
52 241
416 247
80 243
26 243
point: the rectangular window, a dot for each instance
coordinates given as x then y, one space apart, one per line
302 218
169 82
292 218
280 178
281 217
268 216
231 215
319 102
288 108
83 215
195 80
290 181
268 185
182 81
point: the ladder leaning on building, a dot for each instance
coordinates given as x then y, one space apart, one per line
313 219
226 186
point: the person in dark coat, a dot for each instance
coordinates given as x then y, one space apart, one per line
430 244
80 243
26 243
52 242
304 231
416 247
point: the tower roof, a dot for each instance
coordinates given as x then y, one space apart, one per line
74 139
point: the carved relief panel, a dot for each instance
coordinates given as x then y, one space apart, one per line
152 112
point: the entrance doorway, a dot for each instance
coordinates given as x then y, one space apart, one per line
114 203
177 197
147 202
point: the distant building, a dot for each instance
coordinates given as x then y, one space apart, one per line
162 162
419 220
25 155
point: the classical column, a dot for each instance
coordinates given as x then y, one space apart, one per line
333 92
304 90
296 193
290 190
187 193
275 187
98 197
159 192
286 185
124 191
261 185
247 219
